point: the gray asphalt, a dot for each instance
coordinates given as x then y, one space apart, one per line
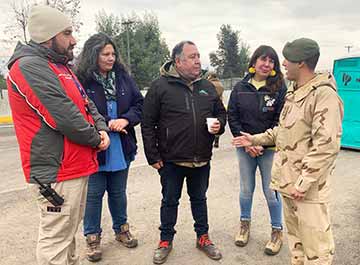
19 215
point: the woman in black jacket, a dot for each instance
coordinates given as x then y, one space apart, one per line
118 99
254 106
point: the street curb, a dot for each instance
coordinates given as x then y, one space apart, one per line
6 120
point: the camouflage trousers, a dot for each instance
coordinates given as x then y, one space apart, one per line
309 232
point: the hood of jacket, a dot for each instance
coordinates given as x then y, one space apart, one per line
319 80
168 70
324 79
34 49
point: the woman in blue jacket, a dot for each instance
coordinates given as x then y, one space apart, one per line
254 106
118 99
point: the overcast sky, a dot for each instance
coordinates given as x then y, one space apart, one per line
334 24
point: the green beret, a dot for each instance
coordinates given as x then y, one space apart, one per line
301 49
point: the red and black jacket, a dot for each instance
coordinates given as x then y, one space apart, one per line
55 123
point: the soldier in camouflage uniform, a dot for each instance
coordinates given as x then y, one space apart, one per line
307 142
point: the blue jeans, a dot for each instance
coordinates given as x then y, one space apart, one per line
115 185
172 179
248 167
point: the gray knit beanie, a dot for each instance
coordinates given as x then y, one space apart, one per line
46 22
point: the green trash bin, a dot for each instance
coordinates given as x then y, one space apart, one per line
347 75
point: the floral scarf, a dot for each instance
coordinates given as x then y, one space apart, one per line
108 84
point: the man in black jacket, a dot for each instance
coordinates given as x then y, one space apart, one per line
178 142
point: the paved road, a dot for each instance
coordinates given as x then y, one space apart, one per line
19 216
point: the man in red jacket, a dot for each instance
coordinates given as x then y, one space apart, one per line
58 129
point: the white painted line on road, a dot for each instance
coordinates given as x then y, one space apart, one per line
22 189
6 126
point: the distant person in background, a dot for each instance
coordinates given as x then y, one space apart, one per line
118 99
254 106
212 77
58 128
307 143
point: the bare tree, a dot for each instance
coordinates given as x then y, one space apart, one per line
21 10
69 7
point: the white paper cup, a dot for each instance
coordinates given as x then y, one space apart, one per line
210 122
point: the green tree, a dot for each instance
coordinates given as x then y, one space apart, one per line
244 58
232 56
148 51
108 24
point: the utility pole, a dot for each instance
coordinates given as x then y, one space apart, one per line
348 47
127 24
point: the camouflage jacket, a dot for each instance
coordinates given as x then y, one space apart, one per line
307 139
212 77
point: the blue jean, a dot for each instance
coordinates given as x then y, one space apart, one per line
115 185
172 179
248 167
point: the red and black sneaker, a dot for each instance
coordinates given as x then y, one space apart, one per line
162 252
204 244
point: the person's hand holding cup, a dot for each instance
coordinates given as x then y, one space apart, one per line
213 125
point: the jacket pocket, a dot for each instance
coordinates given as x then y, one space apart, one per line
312 194
128 143
276 171
280 171
289 116
54 217
163 139
205 105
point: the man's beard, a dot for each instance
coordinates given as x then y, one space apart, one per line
68 52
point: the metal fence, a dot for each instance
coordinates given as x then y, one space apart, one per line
229 83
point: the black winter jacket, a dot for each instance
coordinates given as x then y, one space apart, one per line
174 119
254 111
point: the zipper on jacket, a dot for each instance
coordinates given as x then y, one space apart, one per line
187 101
167 139
195 124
